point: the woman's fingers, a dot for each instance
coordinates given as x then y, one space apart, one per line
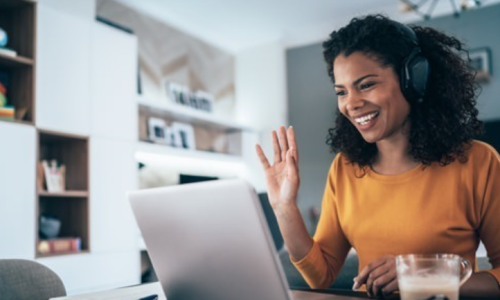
276 148
262 157
291 143
390 288
291 164
382 283
283 142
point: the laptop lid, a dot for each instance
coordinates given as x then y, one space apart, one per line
210 241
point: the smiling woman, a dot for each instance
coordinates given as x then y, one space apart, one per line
408 176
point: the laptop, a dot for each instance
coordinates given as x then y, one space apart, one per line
210 241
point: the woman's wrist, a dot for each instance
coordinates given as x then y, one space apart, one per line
285 210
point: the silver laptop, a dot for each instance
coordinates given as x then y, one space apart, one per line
210 241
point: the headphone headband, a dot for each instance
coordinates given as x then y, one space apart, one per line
414 72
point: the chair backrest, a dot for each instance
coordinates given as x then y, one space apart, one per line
25 279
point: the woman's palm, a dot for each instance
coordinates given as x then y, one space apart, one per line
282 177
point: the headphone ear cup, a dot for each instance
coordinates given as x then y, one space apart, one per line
414 77
419 74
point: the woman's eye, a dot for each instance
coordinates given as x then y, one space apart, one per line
340 93
367 85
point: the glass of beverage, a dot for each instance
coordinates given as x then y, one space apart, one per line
431 276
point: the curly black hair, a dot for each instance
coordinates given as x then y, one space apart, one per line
444 124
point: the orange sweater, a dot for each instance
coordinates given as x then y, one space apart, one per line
425 210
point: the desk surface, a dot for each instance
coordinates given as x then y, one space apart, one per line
139 291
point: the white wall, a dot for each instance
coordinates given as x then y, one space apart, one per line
80 8
261 97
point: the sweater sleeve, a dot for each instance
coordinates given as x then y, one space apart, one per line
489 194
322 264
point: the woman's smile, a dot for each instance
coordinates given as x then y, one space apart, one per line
366 121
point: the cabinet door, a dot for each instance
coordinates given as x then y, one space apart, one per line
85 273
63 59
113 83
17 191
113 173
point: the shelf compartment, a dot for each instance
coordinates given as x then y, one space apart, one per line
70 150
17 18
209 135
74 216
20 89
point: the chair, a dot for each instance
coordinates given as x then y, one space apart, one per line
25 279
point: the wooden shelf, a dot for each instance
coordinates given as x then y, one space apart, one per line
159 149
64 253
14 61
30 123
188 115
65 194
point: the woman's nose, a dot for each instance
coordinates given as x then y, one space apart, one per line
354 102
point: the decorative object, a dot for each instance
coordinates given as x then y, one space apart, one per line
204 101
184 134
480 61
181 95
49 227
157 131
4 38
178 93
425 8
54 176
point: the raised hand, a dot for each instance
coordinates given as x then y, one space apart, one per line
282 176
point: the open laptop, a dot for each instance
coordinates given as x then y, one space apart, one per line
211 241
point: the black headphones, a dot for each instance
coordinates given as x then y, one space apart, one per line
415 69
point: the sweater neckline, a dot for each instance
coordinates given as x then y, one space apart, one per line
415 171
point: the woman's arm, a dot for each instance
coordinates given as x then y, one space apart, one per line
294 231
283 182
481 285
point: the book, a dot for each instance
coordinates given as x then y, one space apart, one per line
7 112
59 245
3 98
8 52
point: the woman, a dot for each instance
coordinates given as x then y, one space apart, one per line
408 177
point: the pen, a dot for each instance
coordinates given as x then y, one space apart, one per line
150 297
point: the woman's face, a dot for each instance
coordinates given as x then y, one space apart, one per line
370 97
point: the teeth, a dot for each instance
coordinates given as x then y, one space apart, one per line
365 119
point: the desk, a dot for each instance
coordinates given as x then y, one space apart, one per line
136 292
143 290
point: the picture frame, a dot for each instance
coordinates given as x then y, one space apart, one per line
480 62
183 135
157 131
181 95
177 93
205 101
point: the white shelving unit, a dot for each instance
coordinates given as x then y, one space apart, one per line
158 149
190 115
233 134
